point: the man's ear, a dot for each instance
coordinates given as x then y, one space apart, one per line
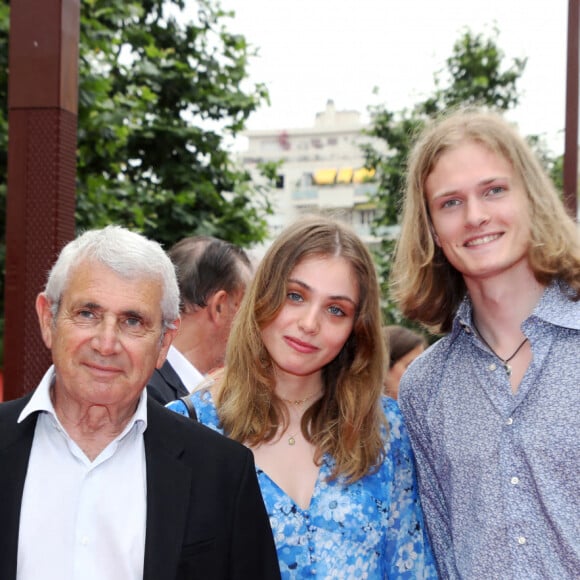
166 340
45 318
217 305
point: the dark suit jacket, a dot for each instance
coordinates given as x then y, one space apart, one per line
205 515
165 385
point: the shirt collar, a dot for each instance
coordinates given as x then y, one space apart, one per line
556 306
41 402
188 374
463 318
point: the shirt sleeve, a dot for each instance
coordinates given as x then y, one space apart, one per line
408 551
432 498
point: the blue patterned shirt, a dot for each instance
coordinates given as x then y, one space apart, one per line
499 473
370 529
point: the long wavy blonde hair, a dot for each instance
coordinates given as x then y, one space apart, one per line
347 422
425 285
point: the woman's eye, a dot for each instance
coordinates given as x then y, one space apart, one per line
336 311
294 296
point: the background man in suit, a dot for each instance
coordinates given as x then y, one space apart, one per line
98 482
212 276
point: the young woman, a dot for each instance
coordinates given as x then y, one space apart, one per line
302 389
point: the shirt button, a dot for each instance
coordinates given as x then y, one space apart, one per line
509 421
84 540
492 367
515 480
521 540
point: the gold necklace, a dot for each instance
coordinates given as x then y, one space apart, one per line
299 402
504 361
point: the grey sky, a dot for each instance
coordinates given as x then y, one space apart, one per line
315 50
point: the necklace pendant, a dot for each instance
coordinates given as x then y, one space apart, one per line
508 369
291 440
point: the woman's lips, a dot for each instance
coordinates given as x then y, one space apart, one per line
299 345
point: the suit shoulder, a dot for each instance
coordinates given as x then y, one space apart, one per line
164 384
193 435
156 378
9 409
10 429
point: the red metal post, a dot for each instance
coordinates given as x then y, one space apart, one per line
571 139
42 117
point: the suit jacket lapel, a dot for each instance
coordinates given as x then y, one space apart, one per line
168 494
168 489
15 445
172 379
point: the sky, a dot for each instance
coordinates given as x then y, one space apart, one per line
311 51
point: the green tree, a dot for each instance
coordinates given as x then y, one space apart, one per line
556 168
474 75
161 92
157 95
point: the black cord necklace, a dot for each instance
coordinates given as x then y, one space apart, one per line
504 361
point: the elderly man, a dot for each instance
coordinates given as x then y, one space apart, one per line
96 481
212 276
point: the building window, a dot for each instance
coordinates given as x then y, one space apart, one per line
367 217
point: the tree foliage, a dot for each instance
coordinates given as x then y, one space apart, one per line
161 89
475 74
157 94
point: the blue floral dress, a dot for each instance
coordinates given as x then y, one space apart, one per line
371 529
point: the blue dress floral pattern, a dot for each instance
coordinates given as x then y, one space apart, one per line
370 529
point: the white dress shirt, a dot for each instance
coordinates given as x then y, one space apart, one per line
82 519
188 374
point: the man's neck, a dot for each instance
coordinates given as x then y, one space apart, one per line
196 345
506 300
91 427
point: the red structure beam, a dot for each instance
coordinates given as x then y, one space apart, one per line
571 139
42 120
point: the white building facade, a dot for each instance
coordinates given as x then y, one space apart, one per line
322 171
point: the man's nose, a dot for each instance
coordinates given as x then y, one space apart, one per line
106 339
